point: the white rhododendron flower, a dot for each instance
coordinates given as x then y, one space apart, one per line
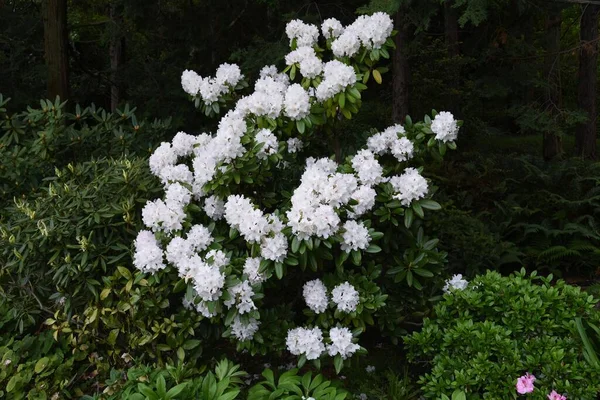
445 127
310 64
370 32
365 196
409 186
315 296
297 102
332 28
241 297
269 141
341 343
244 332
369 171
148 256
355 236
294 145
214 207
345 297
455 283
305 34
337 76
190 82
305 341
251 267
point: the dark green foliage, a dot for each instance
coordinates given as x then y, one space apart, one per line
483 338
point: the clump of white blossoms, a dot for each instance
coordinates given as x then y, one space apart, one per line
148 256
409 186
455 283
294 145
241 297
310 65
297 102
303 341
389 141
242 331
337 76
315 295
355 236
370 32
210 89
445 127
269 141
251 267
332 28
346 297
341 343
305 34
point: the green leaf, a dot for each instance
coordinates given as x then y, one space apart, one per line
41 364
300 125
377 76
342 100
175 390
295 244
338 362
279 270
430 205
161 386
408 218
373 249
459 395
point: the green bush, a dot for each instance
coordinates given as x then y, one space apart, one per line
57 244
484 337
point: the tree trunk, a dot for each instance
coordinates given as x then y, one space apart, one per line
585 134
552 144
451 37
56 47
400 71
117 51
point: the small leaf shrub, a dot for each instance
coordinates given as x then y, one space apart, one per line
291 386
58 244
484 337
35 141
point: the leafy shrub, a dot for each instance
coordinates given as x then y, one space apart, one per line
58 243
36 367
35 141
248 237
484 337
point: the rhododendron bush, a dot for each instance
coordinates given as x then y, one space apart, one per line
257 219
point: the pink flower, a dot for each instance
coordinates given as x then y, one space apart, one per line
525 383
556 396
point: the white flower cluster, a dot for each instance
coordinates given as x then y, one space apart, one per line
148 255
214 207
251 267
210 89
315 295
305 341
337 76
294 145
409 186
297 102
345 296
445 127
355 236
269 141
241 297
309 342
456 283
332 28
369 31
341 343
310 65
244 331
368 169
267 98
255 227
389 142
305 34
